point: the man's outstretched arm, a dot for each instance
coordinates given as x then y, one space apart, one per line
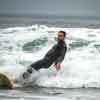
60 59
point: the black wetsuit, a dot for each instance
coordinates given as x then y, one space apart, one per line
54 55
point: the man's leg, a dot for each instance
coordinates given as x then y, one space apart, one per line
43 63
40 64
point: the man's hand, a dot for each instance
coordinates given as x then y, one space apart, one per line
58 66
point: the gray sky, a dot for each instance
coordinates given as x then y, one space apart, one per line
56 7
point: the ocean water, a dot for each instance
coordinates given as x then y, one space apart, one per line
22 44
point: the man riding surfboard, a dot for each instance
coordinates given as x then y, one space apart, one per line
55 55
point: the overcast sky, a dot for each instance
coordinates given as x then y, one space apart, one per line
57 7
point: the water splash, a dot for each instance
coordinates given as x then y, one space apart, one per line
80 68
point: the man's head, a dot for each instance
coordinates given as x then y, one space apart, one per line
61 35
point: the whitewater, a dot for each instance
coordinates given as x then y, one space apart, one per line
21 46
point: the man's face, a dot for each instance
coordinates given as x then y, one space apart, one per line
60 36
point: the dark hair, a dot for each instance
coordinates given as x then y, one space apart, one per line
64 33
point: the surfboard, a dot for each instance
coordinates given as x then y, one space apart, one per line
5 82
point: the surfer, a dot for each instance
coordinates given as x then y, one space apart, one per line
55 55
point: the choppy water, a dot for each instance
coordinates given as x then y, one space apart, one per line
36 93
21 46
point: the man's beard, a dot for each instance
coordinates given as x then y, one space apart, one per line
59 40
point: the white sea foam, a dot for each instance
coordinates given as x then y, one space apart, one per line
80 68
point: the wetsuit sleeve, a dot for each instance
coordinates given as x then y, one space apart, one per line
63 52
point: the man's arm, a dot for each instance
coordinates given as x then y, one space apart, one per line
63 52
60 59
